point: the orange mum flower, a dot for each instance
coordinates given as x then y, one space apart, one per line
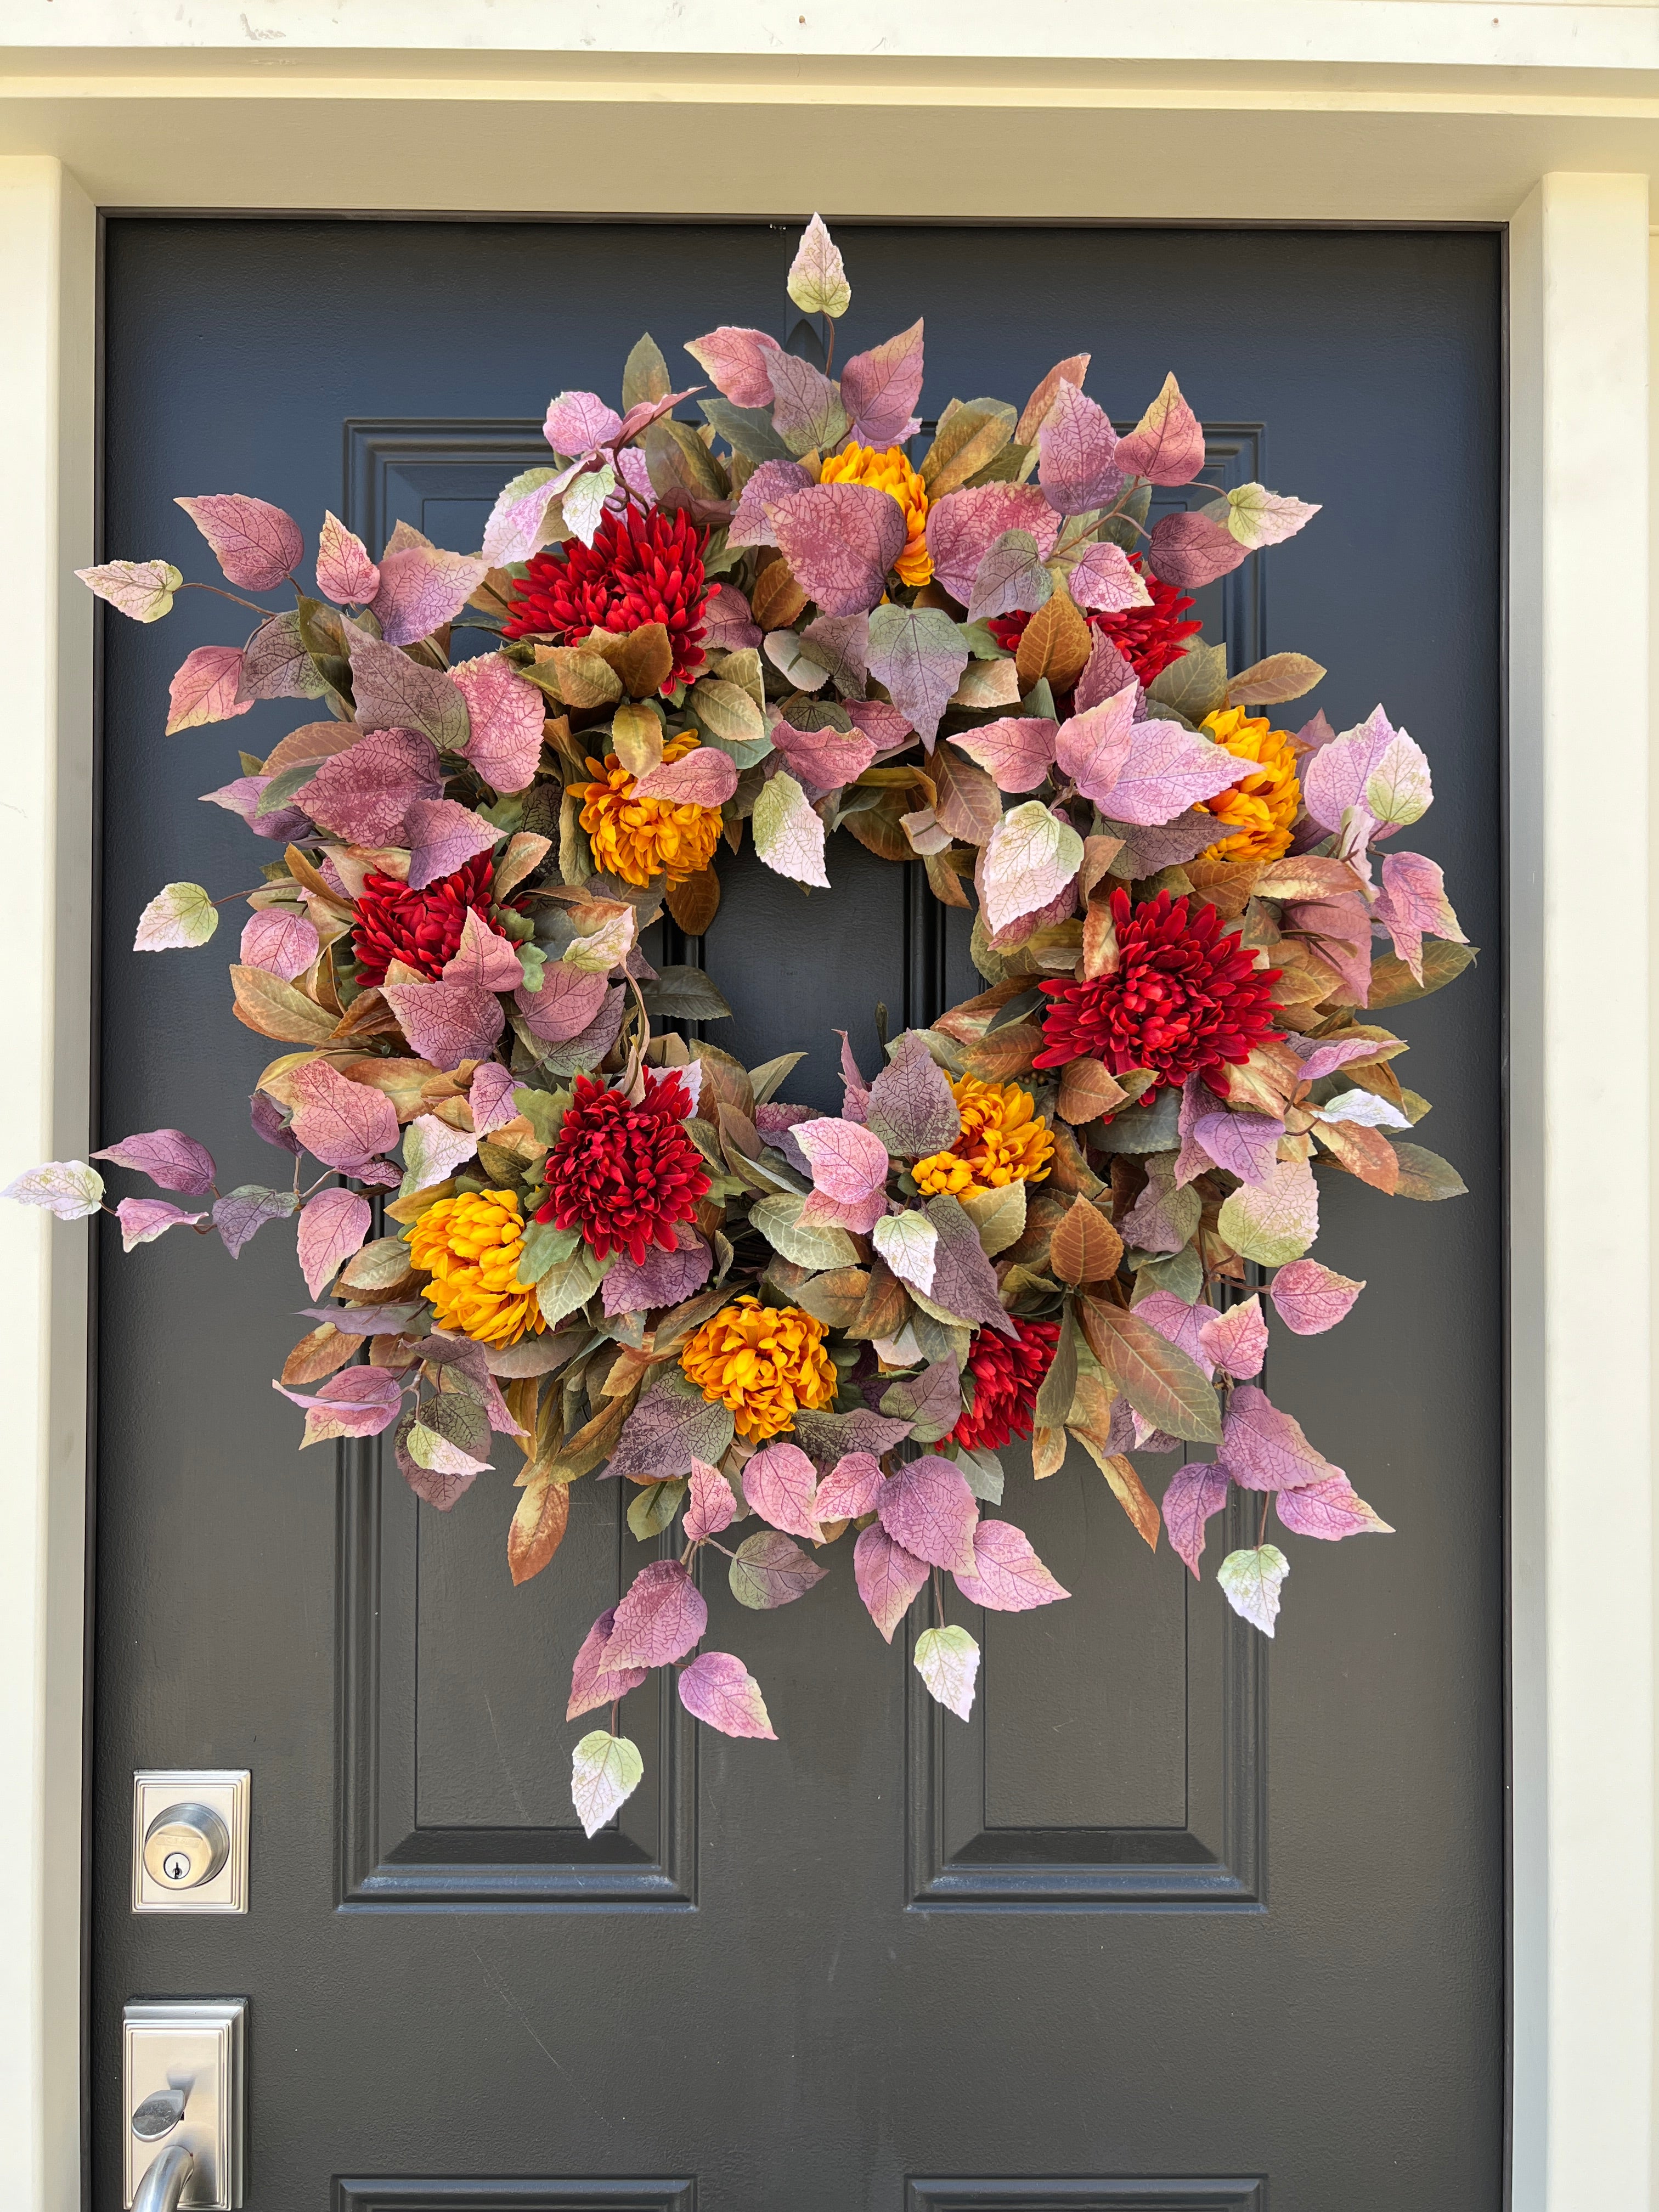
890 472
470 1247
1004 1139
638 839
1263 804
766 1363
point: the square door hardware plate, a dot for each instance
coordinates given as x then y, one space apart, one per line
190 1839
196 2046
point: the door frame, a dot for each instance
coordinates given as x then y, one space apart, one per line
128 134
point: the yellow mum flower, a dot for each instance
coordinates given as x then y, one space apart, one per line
890 472
766 1363
470 1247
1265 805
1004 1139
639 838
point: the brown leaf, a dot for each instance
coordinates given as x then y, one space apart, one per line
1085 1247
1127 1488
585 680
643 658
1087 1091
275 1009
520 1395
401 1080
835 1299
1304 876
777 598
694 903
323 1352
1048 1451
381 1273
886 1309
879 828
1070 1172
943 881
725 1082
1267 1082
1271 682
309 880
1364 1152
1056 643
1100 954
537 1528
1226 885
524 855
1160 1381
968 803
1005 1052
1073 370
312 741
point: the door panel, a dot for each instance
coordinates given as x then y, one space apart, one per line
1129 1928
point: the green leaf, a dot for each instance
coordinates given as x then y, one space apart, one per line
544 1248
778 1220
1424 1174
770 1073
1393 982
179 915
747 430
1276 1221
1253 1580
1054 1400
645 374
769 1570
684 994
568 1284
676 458
818 279
655 1507
544 1110
947 1660
1196 684
730 716
983 1473
604 1773
1159 1381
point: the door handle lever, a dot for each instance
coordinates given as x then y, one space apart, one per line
164 2180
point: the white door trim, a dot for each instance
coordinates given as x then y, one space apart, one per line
1583 1554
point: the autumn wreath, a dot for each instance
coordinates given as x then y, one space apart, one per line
1052 1214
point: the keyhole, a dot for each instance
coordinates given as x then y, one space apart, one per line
175 1866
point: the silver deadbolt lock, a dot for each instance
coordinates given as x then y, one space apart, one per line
190 1830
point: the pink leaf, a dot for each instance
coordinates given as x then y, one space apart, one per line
506 715
333 1226
911 1107
929 1509
1168 769
1342 928
143 1219
964 525
780 1483
1412 905
661 1278
737 362
888 1576
359 1401
1009 578
344 572
484 957
490 1101
1310 1298
242 1213
848 1162
255 544
1263 1449
1101 578
839 539
1079 468
1093 746
364 794
1237 1341
852 1487
396 693
281 941
709 1504
1245 1145
662 1615
879 389
705 776
422 589
1373 765
569 998
204 689
644 412
447 1023
1196 1493
1329 1510
519 523
591 1685
857 1215
720 1690
171 1160
1105 671
918 652
727 624
772 481
579 421
1179 1324
1326 1059
788 834
882 723
442 835
1190 550
1166 446
1030 862
824 758
341 1123
1017 751
1008 1577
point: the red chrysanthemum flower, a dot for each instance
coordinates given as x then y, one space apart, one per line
645 565
1007 1377
1181 999
1149 638
421 928
624 1174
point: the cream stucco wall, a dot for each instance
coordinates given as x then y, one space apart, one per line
1542 116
